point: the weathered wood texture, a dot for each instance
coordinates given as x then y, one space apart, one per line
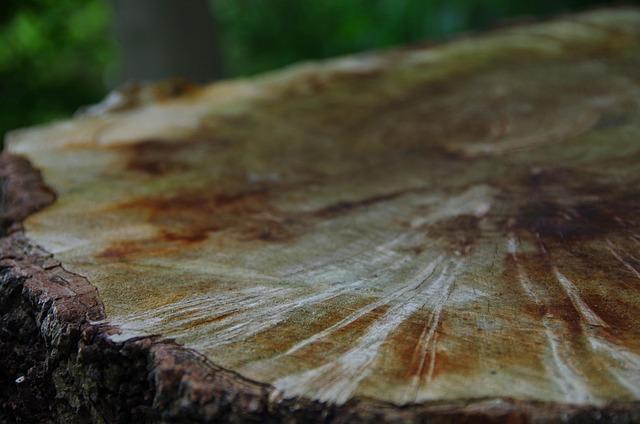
427 225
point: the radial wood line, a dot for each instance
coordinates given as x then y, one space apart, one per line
427 224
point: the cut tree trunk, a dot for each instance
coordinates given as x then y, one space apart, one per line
448 233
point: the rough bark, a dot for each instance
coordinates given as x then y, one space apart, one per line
72 372
291 147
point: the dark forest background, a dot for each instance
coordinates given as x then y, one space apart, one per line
56 55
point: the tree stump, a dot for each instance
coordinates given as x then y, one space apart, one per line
447 233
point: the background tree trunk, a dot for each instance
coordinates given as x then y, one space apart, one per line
165 38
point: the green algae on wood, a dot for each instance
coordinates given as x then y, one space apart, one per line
426 224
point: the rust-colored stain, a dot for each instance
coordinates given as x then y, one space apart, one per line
459 234
154 157
437 224
193 215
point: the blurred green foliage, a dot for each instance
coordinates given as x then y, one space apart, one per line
55 55
258 35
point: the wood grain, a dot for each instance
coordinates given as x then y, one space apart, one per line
426 224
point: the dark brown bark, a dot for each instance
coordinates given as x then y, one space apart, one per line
60 365
508 149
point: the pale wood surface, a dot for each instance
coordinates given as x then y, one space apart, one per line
439 223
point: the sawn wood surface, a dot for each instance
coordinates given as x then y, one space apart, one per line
452 222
